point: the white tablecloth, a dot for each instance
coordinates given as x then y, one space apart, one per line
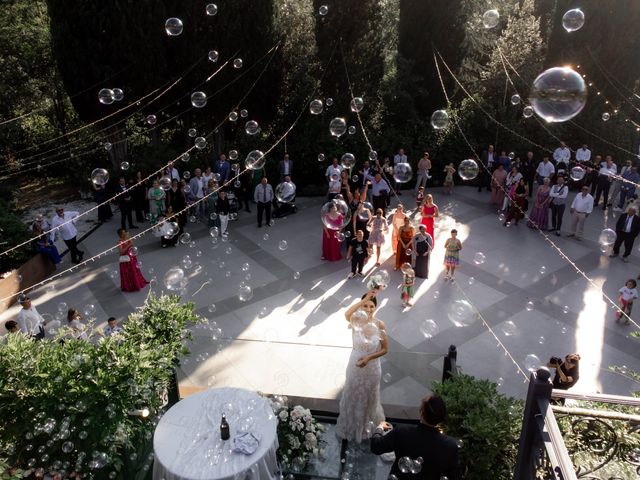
187 442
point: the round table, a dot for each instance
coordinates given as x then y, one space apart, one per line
187 443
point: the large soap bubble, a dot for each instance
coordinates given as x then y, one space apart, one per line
468 169
99 176
245 293
479 258
175 279
173 26
439 119
606 116
198 99
532 362
558 94
573 20
335 215
316 106
286 192
337 127
323 10
402 172
106 96
490 19
461 313
255 160
118 94
348 160
237 63
428 328
577 173
357 104
607 237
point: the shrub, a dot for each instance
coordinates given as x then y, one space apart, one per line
488 424
12 232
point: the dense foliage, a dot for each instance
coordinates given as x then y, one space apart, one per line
67 405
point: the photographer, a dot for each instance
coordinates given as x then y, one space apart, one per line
567 372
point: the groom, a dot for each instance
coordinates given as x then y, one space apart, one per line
438 451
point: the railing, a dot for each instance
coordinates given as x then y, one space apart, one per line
597 444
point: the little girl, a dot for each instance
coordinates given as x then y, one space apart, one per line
449 170
419 198
408 281
627 294
452 249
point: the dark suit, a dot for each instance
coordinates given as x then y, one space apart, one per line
281 170
439 452
627 237
485 173
125 202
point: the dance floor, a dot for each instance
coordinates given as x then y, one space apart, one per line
291 336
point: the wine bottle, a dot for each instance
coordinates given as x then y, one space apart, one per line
224 428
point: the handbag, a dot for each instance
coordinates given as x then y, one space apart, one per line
125 258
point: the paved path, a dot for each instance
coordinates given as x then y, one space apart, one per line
291 337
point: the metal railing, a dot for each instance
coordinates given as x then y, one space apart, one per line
597 444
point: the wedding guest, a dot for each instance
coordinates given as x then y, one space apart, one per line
285 167
332 224
125 203
567 372
510 185
131 279
156 196
581 207
545 169
429 213
333 170
11 326
562 154
177 200
222 168
361 218
607 171
408 281
489 160
518 202
452 249
497 185
78 330
378 226
627 229
101 198
41 244
528 169
358 253
583 156
263 196
630 178
112 327
207 176
223 208
197 186
380 193
424 165
558 195
628 294
64 222
405 239
449 170
29 321
539 217
424 440
422 244
397 220
139 198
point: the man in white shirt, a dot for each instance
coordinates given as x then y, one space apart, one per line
332 170
558 195
400 157
64 222
112 327
424 165
197 186
607 172
583 155
263 196
562 154
545 170
30 322
379 193
627 229
581 207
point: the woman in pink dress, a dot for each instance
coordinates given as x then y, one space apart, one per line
429 213
131 279
332 224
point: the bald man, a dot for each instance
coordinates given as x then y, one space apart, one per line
627 229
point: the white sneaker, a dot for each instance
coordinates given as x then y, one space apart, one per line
351 275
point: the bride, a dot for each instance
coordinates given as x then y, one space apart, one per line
360 402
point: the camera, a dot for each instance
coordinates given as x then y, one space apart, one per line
555 361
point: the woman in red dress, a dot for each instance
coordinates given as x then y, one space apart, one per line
131 279
332 224
429 213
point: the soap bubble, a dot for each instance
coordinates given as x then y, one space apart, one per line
337 127
479 258
251 127
233 116
198 99
402 172
340 236
357 104
565 309
373 155
348 160
323 10
386 378
558 94
490 19
355 178
185 156
237 63
286 192
577 173
173 26
187 262
605 116
543 270
67 447
439 119
118 94
509 328
335 215
212 9
527 112
200 143
468 169
244 113
328 101
172 229
428 328
99 176
255 160
316 106
192 132
174 279
186 174
245 293
213 55
515 99
529 305
321 157
352 130
573 20
512 155
233 154
296 275
185 238
151 119
105 96
461 313
532 362
404 464
283 245
165 183
108 146
607 237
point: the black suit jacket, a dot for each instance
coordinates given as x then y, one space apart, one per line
439 452
635 224
281 167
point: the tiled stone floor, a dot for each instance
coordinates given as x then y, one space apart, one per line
291 337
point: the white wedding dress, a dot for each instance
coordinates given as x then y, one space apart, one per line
360 402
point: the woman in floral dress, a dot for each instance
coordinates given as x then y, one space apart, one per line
378 225
452 249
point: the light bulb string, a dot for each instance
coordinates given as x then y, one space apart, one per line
142 181
525 215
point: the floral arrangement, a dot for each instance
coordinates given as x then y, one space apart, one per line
299 435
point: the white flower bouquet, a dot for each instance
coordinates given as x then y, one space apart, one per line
299 434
